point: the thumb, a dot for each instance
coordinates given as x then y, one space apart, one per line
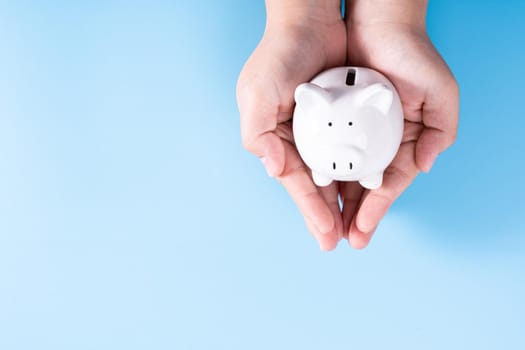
440 117
270 150
259 119
431 142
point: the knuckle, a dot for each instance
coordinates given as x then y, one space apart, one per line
450 87
448 139
247 142
453 85
246 90
246 100
241 87
454 91
452 137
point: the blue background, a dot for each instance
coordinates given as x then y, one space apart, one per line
131 217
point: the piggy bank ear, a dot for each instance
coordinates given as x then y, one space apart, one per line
308 95
376 95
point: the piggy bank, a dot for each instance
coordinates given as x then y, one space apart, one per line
348 125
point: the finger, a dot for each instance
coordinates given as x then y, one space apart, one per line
297 181
326 242
351 193
440 117
356 238
412 131
260 115
430 144
331 197
270 150
374 205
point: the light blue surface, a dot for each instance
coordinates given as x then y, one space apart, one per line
131 217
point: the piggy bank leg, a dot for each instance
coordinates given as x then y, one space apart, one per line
372 182
321 180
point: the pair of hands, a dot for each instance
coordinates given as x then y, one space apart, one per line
304 38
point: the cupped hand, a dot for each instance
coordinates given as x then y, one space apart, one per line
430 97
290 54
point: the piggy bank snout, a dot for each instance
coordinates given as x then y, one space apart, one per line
345 159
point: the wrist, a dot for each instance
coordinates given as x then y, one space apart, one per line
404 13
293 13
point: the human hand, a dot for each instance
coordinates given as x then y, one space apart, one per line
301 39
391 38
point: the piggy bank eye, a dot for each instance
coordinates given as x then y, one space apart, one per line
350 123
329 123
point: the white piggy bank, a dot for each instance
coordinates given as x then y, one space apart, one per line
348 125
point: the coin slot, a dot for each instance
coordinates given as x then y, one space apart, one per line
350 77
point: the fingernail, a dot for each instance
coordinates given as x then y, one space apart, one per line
365 226
326 247
431 161
324 228
270 166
